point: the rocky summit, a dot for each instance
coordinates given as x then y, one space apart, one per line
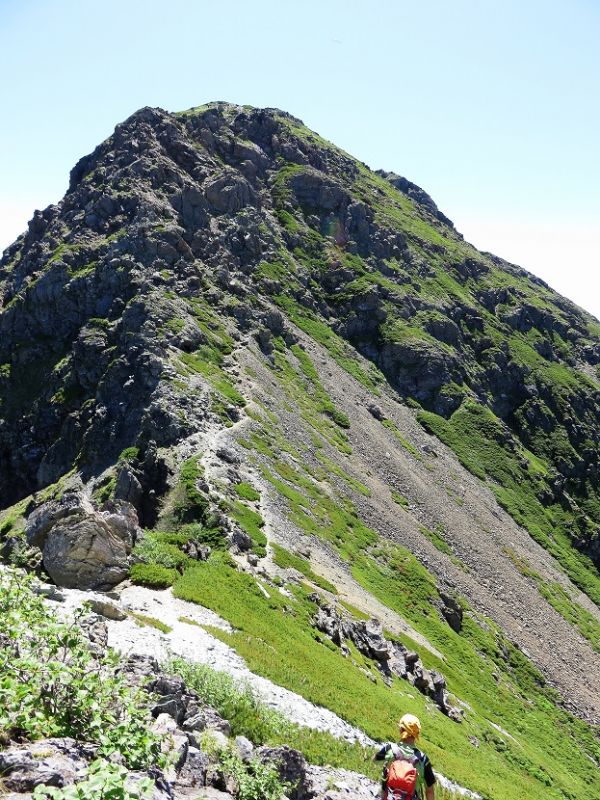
242 371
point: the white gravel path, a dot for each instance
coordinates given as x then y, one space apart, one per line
197 645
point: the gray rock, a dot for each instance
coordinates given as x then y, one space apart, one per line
128 486
173 706
329 622
49 591
96 631
164 724
207 719
229 193
422 679
82 547
376 411
104 608
177 747
167 685
397 662
228 454
193 771
207 793
244 747
138 668
452 612
197 551
241 539
326 783
174 742
53 762
368 638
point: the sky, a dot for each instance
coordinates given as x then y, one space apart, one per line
491 106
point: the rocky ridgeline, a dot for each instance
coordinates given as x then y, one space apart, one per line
390 657
178 225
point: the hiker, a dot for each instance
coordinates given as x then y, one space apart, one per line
407 771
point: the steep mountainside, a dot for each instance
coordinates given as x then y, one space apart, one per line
266 347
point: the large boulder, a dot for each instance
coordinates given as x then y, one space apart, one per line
83 548
229 193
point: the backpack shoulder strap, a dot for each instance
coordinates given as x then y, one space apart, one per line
421 758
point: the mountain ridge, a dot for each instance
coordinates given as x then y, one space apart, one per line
406 400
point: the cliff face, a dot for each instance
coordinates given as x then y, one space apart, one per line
224 299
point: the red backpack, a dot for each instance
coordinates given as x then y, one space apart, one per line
401 778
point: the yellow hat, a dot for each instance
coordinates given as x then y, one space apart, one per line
410 727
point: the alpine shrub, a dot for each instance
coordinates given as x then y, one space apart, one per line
154 576
51 684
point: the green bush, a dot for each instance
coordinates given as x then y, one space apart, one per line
143 620
336 415
52 685
208 534
130 454
154 576
152 549
253 779
190 504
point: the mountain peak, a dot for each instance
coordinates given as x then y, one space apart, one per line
230 323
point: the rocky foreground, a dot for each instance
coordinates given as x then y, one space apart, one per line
191 734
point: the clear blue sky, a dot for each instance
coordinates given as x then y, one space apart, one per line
492 107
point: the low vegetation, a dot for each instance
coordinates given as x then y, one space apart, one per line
275 637
284 559
518 479
52 685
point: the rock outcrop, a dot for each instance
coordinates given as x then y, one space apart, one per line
391 657
83 548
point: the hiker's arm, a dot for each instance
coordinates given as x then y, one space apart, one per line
381 753
429 780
